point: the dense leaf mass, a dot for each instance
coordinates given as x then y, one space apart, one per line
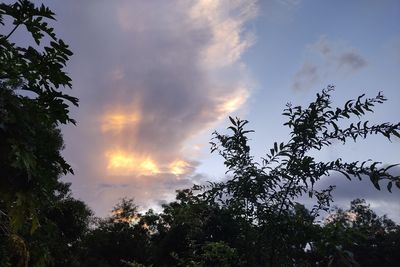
252 218
32 105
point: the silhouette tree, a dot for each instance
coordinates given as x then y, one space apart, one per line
117 240
360 236
266 193
32 105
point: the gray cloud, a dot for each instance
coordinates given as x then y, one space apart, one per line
105 185
148 193
322 46
327 58
306 77
338 54
381 201
351 60
150 76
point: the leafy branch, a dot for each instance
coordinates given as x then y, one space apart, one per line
264 192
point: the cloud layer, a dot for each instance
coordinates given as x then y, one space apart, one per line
150 76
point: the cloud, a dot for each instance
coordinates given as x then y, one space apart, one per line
306 77
150 76
351 60
326 59
226 20
381 201
337 54
148 193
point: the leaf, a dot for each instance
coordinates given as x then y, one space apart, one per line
390 166
372 167
232 120
398 184
374 177
233 129
389 186
394 132
335 126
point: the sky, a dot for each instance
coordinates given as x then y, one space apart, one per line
156 78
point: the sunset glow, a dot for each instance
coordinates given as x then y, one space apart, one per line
118 217
149 167
233 103
123 163
118 121
178 167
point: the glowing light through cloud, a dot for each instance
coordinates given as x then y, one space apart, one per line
123 163
116 122
120 160
233 102
179 167
149 167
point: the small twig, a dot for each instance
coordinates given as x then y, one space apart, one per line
12 31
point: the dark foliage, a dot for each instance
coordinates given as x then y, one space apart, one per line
39 221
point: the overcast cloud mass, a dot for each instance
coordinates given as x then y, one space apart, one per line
150 75
155 78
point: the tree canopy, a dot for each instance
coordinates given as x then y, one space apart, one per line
32 105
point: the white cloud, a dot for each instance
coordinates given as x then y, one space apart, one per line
226 20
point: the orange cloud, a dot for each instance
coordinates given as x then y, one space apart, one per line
116 122
125 163
179 167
